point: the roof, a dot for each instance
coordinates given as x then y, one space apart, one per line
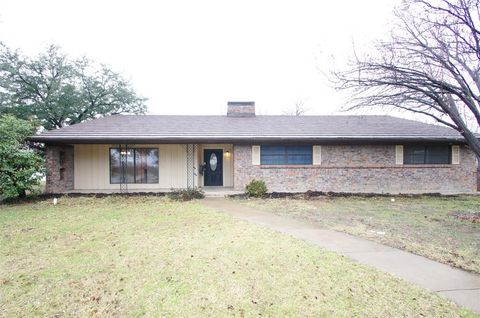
170 129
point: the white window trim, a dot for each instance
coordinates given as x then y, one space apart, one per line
455 154
316 155
399 154
256 155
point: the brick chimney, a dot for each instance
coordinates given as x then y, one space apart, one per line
241 109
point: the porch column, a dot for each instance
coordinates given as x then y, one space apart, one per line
192 166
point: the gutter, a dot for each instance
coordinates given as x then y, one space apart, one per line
244 139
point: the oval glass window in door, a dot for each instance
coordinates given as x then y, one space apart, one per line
213 161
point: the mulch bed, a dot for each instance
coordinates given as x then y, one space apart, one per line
312 195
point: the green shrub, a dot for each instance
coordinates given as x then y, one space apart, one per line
256 188
186 194
21 168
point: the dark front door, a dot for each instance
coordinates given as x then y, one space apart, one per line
213 174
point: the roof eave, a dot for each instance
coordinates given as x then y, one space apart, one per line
242 139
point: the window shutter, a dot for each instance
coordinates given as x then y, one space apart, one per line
399 154
256 155
455 154
317 155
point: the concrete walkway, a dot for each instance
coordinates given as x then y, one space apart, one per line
457 285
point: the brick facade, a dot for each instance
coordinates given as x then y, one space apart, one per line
59 164
359 168
478 174
241 109
344 168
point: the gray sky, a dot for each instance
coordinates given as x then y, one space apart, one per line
191 57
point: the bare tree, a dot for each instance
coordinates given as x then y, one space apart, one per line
298 110
430 65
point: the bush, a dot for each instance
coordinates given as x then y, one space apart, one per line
186 194
21 168
256 188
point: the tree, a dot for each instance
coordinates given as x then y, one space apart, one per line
299 109
430 65
58 91
21 168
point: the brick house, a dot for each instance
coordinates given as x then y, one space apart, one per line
381 154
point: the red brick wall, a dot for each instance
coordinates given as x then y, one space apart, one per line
478 174
359 168
59 164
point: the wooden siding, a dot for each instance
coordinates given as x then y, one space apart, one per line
92 167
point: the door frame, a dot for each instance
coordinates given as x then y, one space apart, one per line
223 163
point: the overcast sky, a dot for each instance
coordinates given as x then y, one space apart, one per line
191 57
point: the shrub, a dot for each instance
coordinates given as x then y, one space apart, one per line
186 194
21 168
256 188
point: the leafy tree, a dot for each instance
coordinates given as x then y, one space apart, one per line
430 65
20 167
59 91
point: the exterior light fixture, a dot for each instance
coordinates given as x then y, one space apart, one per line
227 154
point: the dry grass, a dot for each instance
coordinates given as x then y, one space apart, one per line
140 256
427 226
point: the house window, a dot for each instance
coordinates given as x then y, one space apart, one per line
426 154
286 155
141 165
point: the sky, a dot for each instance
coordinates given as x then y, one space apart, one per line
192 57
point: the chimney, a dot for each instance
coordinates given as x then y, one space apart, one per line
241 109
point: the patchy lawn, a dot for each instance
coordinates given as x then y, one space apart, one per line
440 228
147 256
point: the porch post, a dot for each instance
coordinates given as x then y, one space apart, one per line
191 167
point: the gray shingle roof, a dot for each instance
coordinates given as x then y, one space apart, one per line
157 128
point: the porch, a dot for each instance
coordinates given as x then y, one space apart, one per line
114 168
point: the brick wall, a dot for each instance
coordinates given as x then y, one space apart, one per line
359 168
478 174
59 164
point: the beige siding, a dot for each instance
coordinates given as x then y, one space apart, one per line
92 168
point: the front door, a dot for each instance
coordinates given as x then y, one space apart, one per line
213 174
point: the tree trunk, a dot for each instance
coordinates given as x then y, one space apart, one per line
472 141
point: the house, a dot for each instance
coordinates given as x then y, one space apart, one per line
381 154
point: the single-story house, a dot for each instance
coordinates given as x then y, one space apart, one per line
381 154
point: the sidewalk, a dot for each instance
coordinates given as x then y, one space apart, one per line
457 285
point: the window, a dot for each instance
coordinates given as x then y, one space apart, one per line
426 154
286 155
141 165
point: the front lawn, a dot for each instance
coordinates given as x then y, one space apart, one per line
440 228
147 256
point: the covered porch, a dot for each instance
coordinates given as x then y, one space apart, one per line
116 168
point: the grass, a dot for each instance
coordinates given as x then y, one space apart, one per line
148 256
423 225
